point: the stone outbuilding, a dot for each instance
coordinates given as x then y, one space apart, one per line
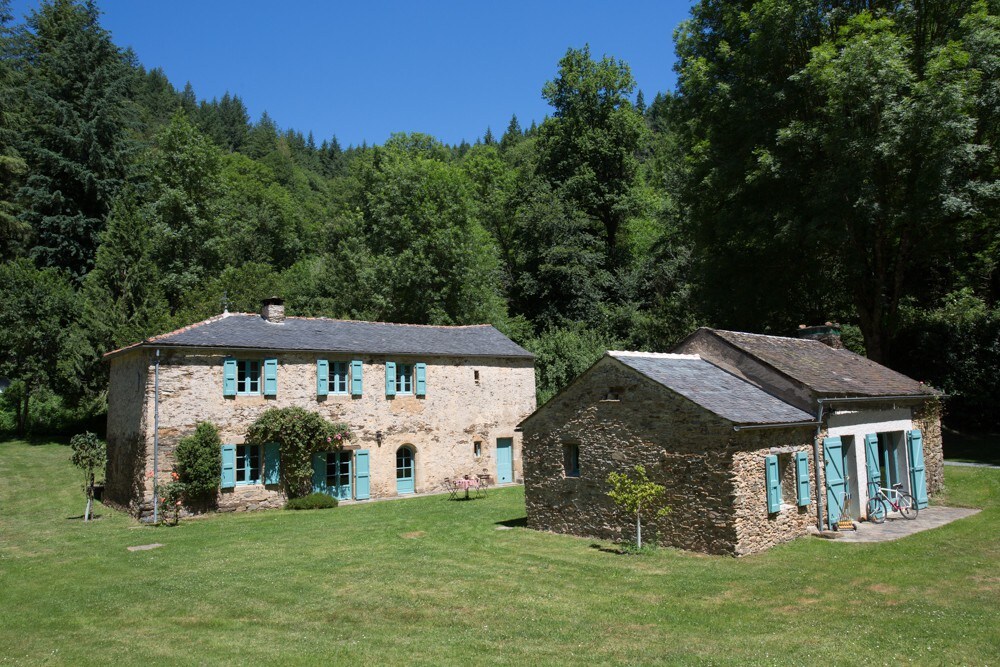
425 403
735 426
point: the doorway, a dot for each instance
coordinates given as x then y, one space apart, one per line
404 470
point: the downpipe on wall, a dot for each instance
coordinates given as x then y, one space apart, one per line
156 439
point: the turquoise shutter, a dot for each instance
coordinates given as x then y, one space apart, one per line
229 377
362 486
272 467
802 477
322 377
871 464
356 370
918 476
228 466
270 377
319 472
773 484
421 372
836 486
390 378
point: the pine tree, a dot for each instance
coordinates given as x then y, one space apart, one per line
488 138
233 121
640 103
12 167
78 94
512 136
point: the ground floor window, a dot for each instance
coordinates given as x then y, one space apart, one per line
338 474
248 464
404 470
571 460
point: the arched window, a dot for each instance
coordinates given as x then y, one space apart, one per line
404 469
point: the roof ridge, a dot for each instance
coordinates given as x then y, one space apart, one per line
652 355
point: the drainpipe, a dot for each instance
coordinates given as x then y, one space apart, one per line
156 439
819 487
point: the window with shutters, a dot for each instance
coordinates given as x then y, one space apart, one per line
786 471
404 378
248 459
338 377
247 377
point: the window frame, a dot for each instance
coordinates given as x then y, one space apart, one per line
243 367
334 377
404 380
244 455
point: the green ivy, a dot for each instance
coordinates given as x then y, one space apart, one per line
198 463
299 433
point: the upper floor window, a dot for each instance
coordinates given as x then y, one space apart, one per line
404 378
338 377
247 376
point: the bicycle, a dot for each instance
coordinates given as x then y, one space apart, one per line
878 506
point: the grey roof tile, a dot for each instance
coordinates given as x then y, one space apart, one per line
713 388
824 369
246 331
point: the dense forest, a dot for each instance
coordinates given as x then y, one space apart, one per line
819 160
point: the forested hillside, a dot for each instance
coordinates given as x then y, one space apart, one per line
819 160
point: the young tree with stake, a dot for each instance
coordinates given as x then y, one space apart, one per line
636 494
89 454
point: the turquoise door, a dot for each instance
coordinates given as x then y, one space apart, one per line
505 460
404 470
836 489
918 475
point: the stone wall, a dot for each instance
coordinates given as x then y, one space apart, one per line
714 477
129 377
441 427
927 418
757 529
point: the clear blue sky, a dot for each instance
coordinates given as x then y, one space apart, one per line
362 70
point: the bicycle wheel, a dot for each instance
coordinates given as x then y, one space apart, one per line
907 505
875 510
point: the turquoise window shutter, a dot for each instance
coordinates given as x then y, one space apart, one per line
773 484
390 378
270 377
802 477
362 483
229 377
322 377
356 374
272 465
872 464
228 467
421 373
918 476
319 472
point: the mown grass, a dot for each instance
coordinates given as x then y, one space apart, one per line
428 581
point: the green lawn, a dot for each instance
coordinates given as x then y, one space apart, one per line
428 581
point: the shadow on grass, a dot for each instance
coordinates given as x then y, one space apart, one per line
520 522
93 517
608 550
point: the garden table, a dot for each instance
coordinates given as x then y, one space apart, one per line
467 484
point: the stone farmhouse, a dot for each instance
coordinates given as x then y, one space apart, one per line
424 402
757 440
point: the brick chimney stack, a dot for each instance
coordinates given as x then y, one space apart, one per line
272 309
827 333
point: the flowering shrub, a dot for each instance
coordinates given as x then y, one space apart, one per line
299 433
171 495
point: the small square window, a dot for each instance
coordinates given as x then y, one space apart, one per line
477 448
614 394
571 460
475 374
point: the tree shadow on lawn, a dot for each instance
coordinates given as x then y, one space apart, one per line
93 517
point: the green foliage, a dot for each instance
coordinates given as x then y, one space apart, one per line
198 463
41 344
77 95
299 433
172 496
314 501
89 455
561 355
636 494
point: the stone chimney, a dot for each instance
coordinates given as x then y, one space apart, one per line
827 333
272 309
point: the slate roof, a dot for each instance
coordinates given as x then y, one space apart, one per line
250 331
713 388
825 370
